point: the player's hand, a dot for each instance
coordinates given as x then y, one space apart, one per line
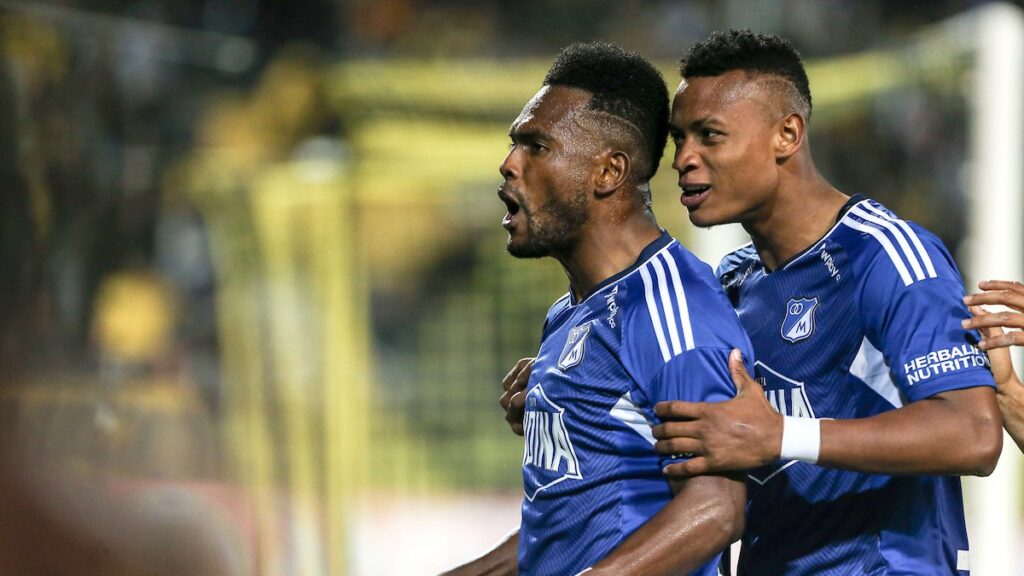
999 293
738 434
513 396
1002 365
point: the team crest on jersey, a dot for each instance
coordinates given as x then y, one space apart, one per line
549 457
575 347
799 321
789 398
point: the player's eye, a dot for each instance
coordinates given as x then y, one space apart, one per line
710 134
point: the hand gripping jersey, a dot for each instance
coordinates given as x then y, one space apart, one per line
864 321
660 330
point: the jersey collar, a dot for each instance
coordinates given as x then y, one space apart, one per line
646 254
853 201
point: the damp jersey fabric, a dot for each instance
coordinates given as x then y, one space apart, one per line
660 330
864 321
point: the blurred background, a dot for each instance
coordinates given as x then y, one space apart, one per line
255 306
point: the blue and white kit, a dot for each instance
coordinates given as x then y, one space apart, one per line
660 330
864 321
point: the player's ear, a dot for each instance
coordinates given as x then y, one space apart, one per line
613 172
789 135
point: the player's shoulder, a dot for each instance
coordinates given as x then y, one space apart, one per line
559 306
736 263
678 304
675 270
881 244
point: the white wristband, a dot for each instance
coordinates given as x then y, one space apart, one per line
801 439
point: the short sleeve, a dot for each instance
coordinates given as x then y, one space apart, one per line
698 375
917 328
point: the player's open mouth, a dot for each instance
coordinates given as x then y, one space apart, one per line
693 194
511 206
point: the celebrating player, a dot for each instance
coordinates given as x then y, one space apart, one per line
868 391
644 321
996 340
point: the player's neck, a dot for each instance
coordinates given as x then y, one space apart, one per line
606 248
800 215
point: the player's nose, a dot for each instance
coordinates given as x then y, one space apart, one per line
509 167
685 160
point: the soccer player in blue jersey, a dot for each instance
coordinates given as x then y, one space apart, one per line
996 340
644 321
869 396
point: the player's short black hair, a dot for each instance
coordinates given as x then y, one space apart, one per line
744 50
623 84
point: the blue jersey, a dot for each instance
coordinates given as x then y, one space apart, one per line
660 330
864 321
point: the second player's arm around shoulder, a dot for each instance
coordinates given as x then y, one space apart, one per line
738 434
705 517
956 432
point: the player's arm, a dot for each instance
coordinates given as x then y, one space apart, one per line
706 513
953 429
704 517
502 560
951 433
996 340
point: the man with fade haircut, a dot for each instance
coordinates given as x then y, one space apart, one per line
869 397
644 321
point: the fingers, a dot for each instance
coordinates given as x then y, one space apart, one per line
514 405
1001 319
519 373
1017 287
991 325
513 397
671 430
740 377
678 410
1002 341
688 469
670 446
999 292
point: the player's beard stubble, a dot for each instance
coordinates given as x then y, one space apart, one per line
552 228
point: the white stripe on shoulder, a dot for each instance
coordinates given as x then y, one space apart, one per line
666 304
627 412
910 234
684 310
908 253
652 308
884 241
869 365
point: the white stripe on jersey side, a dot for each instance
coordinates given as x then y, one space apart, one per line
666 304
652 308
869 365
908 253
629 414
884 241
684 310
910 234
